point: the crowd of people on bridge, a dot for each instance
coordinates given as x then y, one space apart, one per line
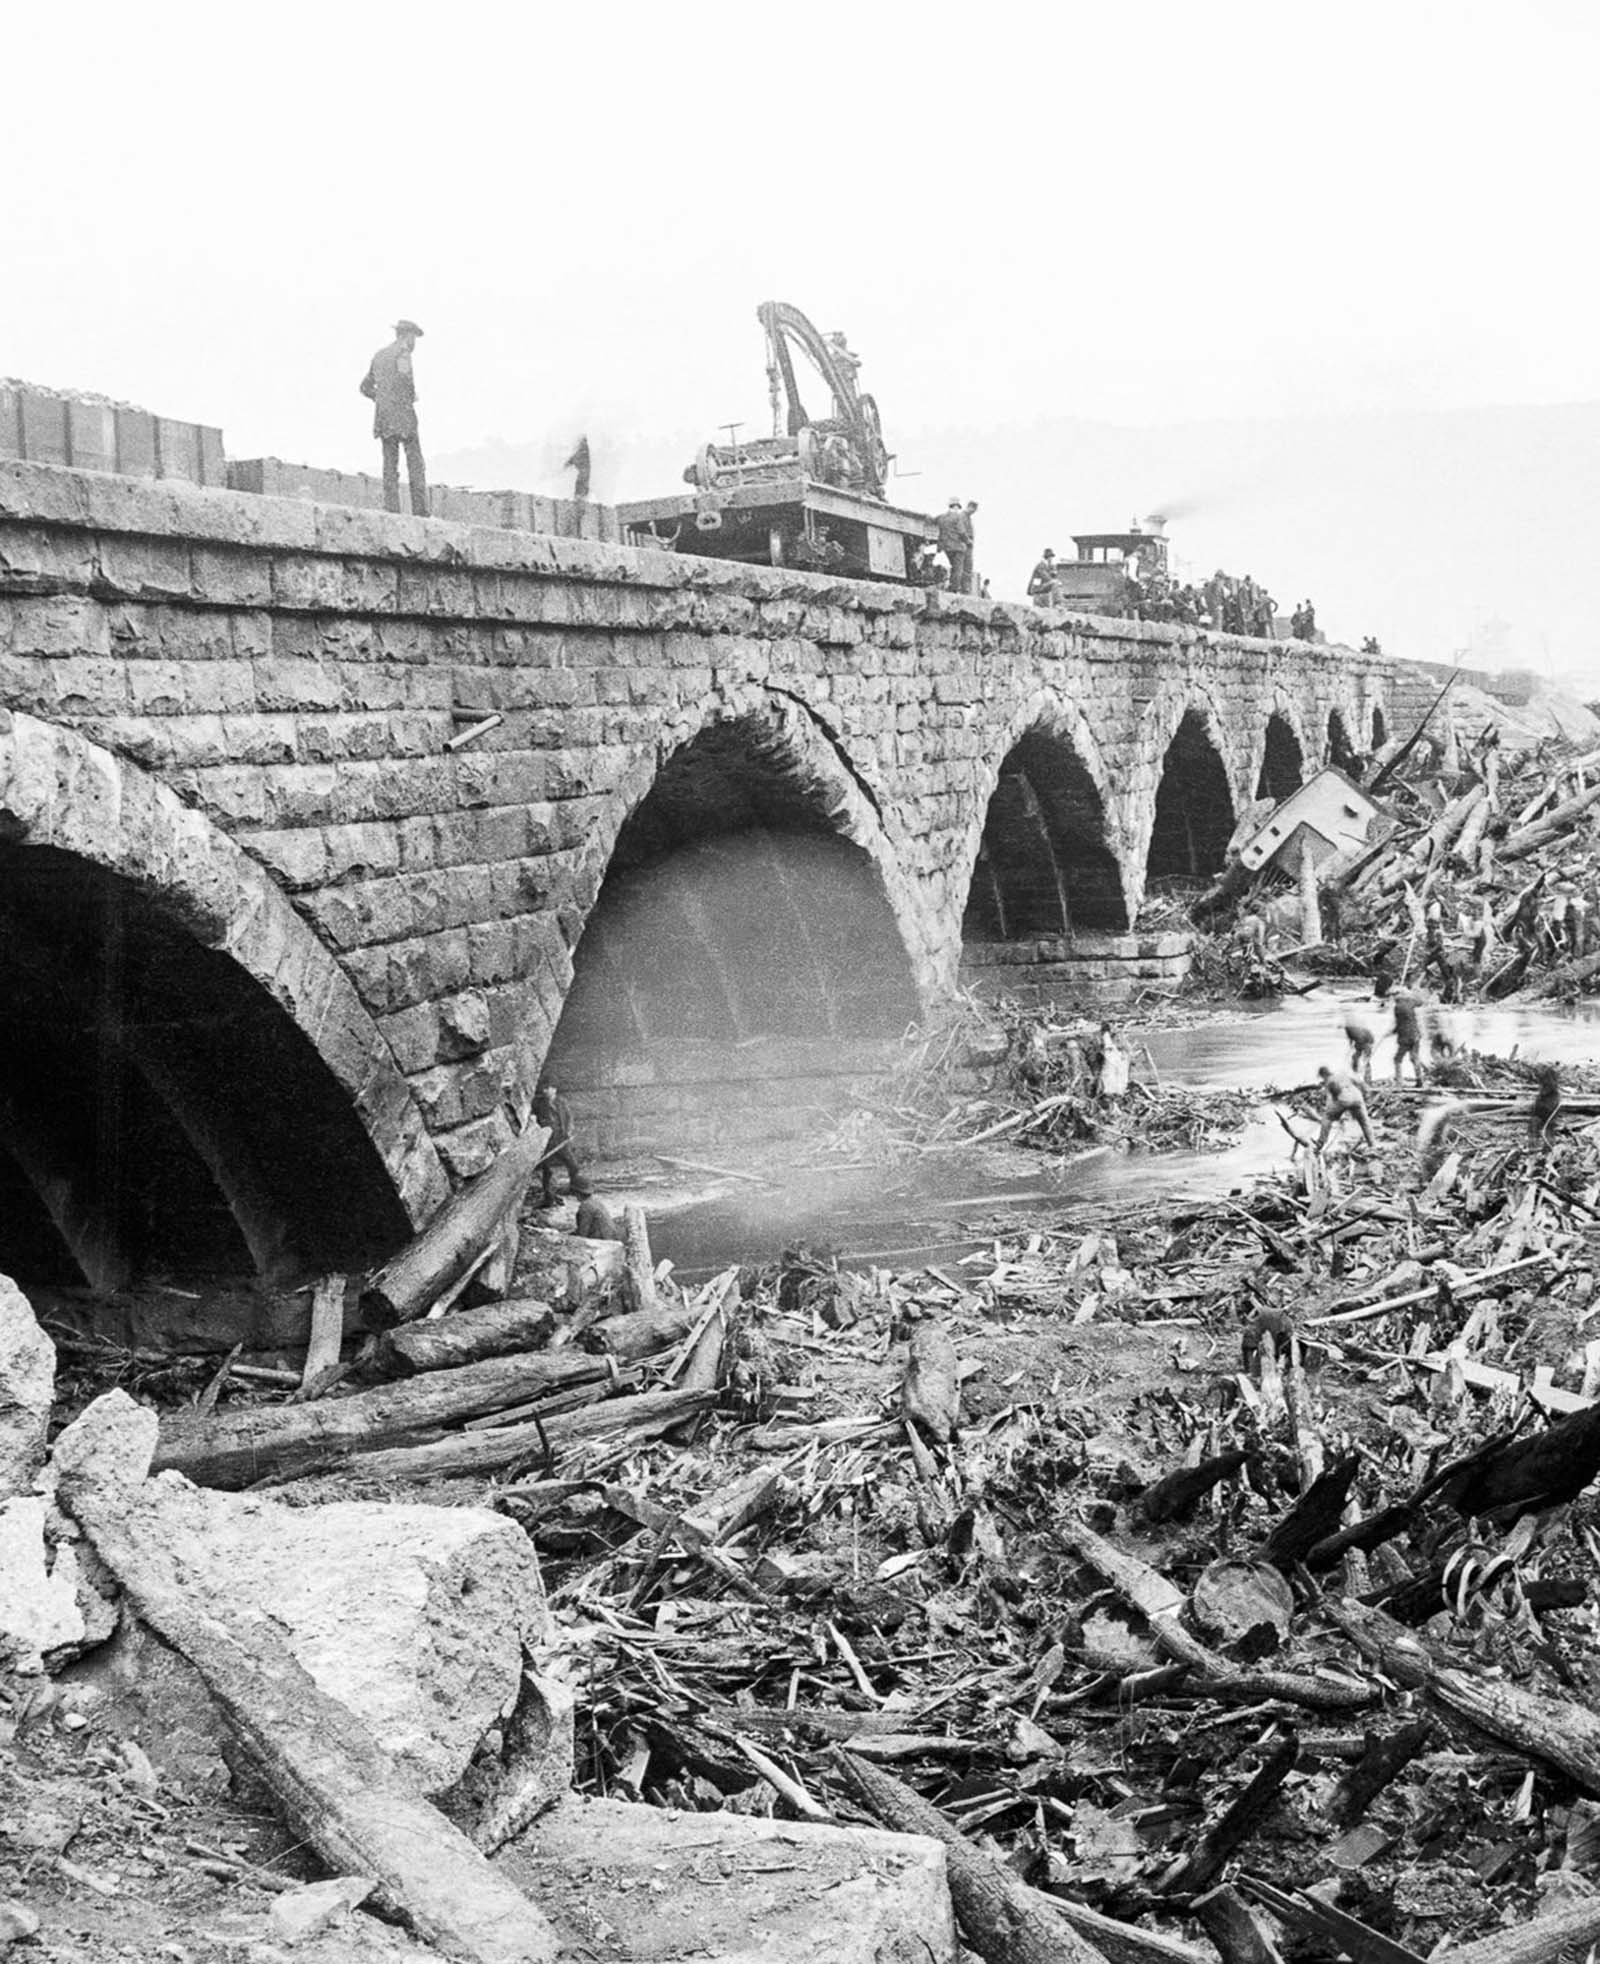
1223 604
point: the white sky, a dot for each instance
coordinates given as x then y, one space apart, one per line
1143 215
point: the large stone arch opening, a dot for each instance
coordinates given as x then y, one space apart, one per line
189 1088
1194 815
742 966
1380 729
1283 763
1044 864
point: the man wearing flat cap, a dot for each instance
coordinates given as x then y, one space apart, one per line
389 386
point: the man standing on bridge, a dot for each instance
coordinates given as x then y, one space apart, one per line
388 385
954 530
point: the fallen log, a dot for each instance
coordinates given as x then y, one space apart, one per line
620 1422
461 1233
1557 1731
467 1337
336 1786
1574 1928
642 1332
999 1916
257 1442
1529 838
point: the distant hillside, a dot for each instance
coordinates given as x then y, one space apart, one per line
1436 531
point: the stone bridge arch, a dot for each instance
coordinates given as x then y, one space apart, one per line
190 1079
752 934
1040 857
1197 786
1285 759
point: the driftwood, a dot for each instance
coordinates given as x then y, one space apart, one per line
1387 1755
930 1393
1175 1494
1529 838
460 1235
1313 1517
643 1332
1525 1475
1557 1731
1235 1929
1203 1862
638 1269
327 1329
467 1337
336 1786
1576 1928
999 1916
620 1422
257 1442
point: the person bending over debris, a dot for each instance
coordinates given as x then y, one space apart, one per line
1362 1036
1407 1035
550 1109
1342 1097
1546 1103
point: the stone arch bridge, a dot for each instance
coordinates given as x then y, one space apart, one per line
322 831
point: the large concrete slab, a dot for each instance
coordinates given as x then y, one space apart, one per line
650 1886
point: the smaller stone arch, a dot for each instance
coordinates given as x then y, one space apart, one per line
1044 864
1380 727
1341 750
1194 813
1283 763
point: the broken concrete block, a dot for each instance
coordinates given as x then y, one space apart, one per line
39 1614
647 1882
415 1618
529 1767
302 1913
106 1450
27 1385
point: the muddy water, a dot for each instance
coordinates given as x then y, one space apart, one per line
939 1208
1283 1045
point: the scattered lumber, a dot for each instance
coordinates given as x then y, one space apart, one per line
462 1233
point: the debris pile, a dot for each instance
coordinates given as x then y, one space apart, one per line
1214 1584
1486 882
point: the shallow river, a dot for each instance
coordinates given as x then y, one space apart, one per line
928 1210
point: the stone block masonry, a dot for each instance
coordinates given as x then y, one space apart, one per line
292 676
